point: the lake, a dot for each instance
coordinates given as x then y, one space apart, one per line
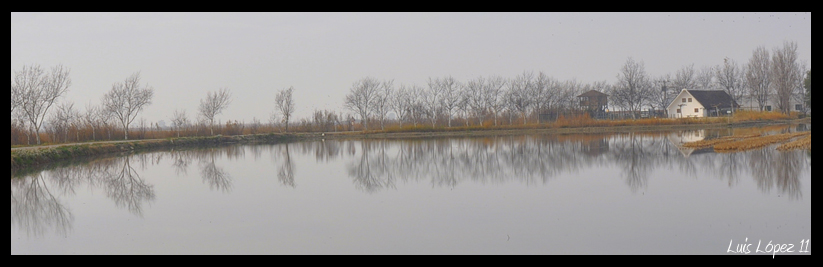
597 194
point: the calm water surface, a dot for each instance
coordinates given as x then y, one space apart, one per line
584 194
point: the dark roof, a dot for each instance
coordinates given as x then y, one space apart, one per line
592 93
713 99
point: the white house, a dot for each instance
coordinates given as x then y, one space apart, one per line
699 104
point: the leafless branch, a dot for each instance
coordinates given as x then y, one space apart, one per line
214 104
126 100
284 102
38 91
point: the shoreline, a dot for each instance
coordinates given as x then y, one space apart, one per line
33 157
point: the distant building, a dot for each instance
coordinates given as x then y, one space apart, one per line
699 104
750 103
594 102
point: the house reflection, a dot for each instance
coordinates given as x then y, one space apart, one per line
678 139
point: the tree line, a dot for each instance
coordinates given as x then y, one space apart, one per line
528 98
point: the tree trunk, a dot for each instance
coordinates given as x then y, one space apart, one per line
37 135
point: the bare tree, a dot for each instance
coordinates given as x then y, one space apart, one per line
463 105
758 76
476 97
686 78
633 87
543 93
214 104
106 119
382 102
15 98
451 90
284 102
418 101
520 98
492 96
179 121
568 94
38 92
126 100
400 103
361 98
92 118
705 79
800 94
432 100
64 118
661 95
730 77
785 73
808 85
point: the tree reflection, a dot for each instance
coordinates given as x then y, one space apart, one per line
448 162
180 162
35 209
286 172
214 176
377 165
126 188
780 170
534 160
635 154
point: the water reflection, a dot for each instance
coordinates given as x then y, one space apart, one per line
537 160
286 173
214 176
35 209
125 186
374 166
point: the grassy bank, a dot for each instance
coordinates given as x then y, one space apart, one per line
34 157
37 156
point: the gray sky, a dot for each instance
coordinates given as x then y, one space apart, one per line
185 55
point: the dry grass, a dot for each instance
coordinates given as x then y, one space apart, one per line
721 140
803 143
745 115
561 123
757 142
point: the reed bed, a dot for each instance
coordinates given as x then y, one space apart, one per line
757 142
721 140
803 143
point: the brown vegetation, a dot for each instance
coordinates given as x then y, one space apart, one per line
802 143
750 142
714 142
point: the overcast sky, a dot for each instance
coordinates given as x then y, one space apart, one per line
185 55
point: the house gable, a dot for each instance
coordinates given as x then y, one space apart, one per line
679 100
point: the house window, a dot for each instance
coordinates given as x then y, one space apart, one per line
696 110
684 100
798 107
768 108
690 100
678 111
